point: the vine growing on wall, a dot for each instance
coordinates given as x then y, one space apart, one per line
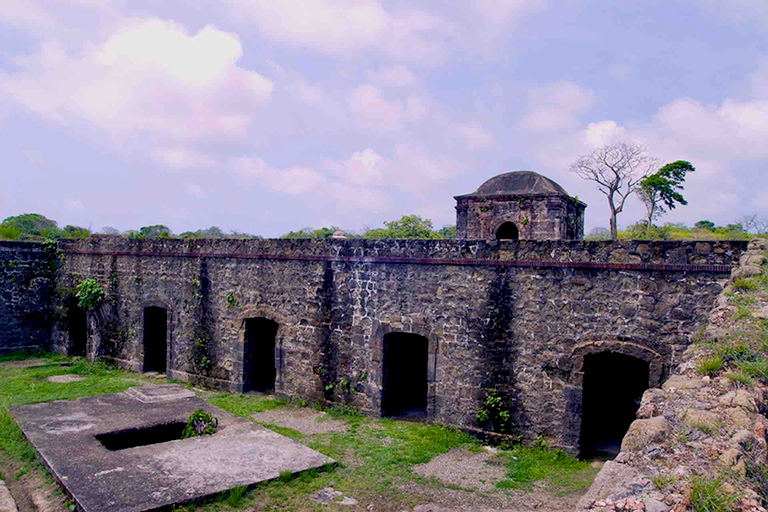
494 415
89 294
202 350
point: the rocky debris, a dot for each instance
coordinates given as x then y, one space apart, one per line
692 426
7 503
465 469
330 495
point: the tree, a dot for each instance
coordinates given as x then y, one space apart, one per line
753 223
447 232
409 226
705 224
618 170
31 225
660 190
599 233
156 231
323 232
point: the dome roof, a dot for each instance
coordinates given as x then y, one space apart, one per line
518 183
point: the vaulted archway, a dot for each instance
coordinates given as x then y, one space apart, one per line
507 231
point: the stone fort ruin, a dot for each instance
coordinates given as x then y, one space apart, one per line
518 303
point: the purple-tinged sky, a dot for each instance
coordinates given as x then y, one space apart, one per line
266 116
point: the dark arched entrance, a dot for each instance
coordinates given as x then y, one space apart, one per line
78 329
613 386
405 375
155 339
259 356
507 231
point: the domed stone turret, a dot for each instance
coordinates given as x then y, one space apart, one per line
519 205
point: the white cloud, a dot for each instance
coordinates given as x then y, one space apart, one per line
476 136
336 26
194 190
180 158
395 76
150 77
290 181
373 110
556 107
505 11
416 108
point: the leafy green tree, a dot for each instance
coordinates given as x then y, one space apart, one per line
409 226
660 191
447 232
31 225
156 231
75 232
323 232
211 232
705 224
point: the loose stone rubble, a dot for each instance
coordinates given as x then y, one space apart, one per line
692 426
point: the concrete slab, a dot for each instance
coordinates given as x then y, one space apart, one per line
154 475
64 379
7 503
159 393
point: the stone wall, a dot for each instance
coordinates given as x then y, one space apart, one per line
537 217
25 289
515 316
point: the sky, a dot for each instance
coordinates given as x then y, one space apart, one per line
265 116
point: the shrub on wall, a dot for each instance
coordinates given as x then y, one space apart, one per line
89 294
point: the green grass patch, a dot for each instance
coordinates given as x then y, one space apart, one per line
20 386
285 431
740 378
746 284
564 474
755 369
708 496
662 481
710 365
245 405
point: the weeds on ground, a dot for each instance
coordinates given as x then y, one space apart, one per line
563 473
707 495
710 365
245 405
661 481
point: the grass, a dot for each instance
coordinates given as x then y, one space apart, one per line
245 405
708 496
710 365
564 474
376 457
28 385
661 481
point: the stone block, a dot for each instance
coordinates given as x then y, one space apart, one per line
645 431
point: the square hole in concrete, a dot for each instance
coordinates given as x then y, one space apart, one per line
133 437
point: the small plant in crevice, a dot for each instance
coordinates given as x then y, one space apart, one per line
232 301
710 365
89 294
494 415
707 495
524 221
200 423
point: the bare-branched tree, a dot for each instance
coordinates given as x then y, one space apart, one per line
617 169
755 224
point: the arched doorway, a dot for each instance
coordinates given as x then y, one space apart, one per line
155 339
613 386
405 375
78 329
259 370
507 231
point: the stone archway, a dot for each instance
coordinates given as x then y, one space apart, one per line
156 337
260 324
607 379
385 332
507 231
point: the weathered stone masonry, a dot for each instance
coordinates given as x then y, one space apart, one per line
26 280
517 316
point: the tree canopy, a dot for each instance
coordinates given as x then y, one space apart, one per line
33 226
409 226
660 191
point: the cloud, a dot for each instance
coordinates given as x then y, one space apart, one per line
336 26
180 158
395 76
194 190
416 108
289 181
476 136
373 110
556 107
506 11
149 78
